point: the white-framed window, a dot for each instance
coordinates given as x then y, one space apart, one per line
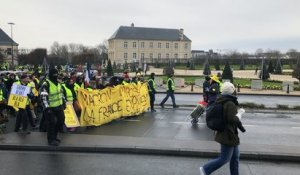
134 55
125 55
159 45
151 45
159 56
186 45
142 44
176 55
125 44
176 46
167 56
134 44
142 55
167 45
185 56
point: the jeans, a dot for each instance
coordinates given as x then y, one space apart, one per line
169 94
227 154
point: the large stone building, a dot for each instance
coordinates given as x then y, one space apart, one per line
148 45
6 45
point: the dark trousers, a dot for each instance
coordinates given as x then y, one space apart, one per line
55 122
169 94
22 118
30 118
152 99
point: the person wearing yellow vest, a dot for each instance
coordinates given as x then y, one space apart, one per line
54 104
170 92
79 83
24 115
152 91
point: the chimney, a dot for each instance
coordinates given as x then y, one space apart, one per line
132 24
180 34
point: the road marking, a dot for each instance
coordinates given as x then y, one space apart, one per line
187 123
296 127
127 120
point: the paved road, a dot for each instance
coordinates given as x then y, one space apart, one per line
269 129
49 163
268 101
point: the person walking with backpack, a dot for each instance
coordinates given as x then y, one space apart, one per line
228 138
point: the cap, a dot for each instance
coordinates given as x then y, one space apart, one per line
215 78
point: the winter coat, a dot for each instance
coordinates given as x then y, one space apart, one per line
229 136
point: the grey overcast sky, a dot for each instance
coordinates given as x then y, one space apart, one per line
242 25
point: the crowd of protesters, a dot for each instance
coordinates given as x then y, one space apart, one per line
48 97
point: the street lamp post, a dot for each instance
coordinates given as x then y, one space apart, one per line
12 42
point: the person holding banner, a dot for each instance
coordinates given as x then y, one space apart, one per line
23 114
54 105
170 92
152 91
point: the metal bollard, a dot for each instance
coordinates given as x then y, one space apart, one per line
192 87
288 89
238 87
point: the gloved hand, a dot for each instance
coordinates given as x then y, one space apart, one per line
241 127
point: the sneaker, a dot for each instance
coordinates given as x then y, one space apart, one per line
153 110
161 105
53 143
176 106
58 140
202 171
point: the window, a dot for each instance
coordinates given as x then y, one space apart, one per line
151 44
151 55
176 55
159 56
159 45
176 45
134 44
125 55
185 45
167 45
134 55
8 51
167 56
142 44
125 44
142 55
185 55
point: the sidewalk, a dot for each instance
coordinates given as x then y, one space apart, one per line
36 141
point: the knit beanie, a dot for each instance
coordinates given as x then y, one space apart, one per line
227 88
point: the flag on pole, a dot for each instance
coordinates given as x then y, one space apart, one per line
87 74
45 67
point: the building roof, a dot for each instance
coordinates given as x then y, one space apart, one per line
142 33
5 39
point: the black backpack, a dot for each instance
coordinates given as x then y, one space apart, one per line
215 119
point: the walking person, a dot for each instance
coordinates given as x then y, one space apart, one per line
228 139
170 92
54 105
152 91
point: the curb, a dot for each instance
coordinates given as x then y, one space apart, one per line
249 110
151 151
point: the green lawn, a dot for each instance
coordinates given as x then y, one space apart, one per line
243 82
